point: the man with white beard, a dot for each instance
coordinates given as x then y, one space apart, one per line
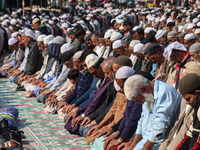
160 109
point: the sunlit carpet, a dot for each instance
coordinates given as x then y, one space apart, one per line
42 131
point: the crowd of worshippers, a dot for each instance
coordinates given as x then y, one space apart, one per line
122 78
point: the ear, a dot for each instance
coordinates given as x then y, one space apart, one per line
197 93
144 89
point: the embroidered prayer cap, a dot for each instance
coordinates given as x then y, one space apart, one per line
133 43
172 33
59 40
124 72
15 34
108 34
190 26
116 36
194 47
48 38
190 36
159 34
127 39
41 38
138 48
91 60
12 41
66 47
117 44
36 20
77 55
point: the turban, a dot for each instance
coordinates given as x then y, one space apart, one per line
189 84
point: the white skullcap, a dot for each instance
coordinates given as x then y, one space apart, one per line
117 87
30 33
116 36
189 36
148 29
59 40
54 18
138 48
13 22
170 20
124 72
51 22
64 16
66 47
197 31
5 23
135 28
133 43
176 45
91 60
41 38
120 21
180 28
12 41
195 20
159 34
48 38
190 26
162 19
65 25
117 44
77 55
14 34
90 15
198 24
194 47
108 34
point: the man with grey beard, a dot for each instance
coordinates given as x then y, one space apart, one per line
160 109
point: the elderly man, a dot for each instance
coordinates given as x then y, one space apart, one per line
172 36
161 104
189 39
195 52
118 47
161 37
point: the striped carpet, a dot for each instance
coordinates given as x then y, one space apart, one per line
42 131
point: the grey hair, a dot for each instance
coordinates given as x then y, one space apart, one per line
133 84
108 62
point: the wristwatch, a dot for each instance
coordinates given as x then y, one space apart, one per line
83 115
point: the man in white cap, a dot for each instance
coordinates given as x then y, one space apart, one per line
161 37
118 47
35 58
10 63
160 109
189 39
36 24
195 52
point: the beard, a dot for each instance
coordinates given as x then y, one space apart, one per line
150 100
